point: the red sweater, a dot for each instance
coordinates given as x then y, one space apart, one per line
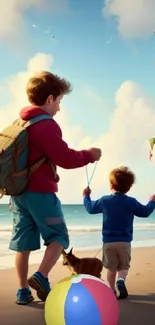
45 139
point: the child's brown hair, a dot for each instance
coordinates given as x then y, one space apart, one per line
122 179
45 84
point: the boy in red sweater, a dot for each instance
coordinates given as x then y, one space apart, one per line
38 210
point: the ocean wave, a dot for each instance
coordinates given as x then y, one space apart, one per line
92 228
79 228
85 228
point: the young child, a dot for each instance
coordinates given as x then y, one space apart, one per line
37 211
118 211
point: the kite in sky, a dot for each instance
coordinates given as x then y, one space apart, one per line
109 40
35 26
47 31
152 143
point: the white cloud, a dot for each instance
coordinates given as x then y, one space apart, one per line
93 103
126 141
135 19
40 60
13 26
88 93
15 87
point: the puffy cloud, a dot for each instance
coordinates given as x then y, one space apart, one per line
125 142
15 87
94 99
13 27
134 19
40 61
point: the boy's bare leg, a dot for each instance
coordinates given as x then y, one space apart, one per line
39 280
111 278
120 284
122 274
51 256
21 264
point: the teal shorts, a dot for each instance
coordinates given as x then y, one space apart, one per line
35 215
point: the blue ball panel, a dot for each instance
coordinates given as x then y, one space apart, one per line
80 307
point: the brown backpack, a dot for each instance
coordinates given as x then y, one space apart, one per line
14 149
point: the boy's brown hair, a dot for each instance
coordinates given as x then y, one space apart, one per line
122 179
45 84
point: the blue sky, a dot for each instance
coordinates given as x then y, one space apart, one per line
81 54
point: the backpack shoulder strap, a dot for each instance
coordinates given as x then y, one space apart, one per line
43 159
37 119
26 124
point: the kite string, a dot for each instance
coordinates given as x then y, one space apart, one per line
87 176
88 183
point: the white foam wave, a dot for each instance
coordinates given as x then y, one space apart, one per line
146 226
84 228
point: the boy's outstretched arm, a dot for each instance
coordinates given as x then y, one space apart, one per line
92 207
143 211
57 150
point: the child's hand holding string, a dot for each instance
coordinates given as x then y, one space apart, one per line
152 198
86 191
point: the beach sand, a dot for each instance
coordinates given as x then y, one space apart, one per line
137 309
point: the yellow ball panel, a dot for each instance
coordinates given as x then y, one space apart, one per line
55 303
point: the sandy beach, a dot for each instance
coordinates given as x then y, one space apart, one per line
138 308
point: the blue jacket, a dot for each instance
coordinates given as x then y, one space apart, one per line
118 215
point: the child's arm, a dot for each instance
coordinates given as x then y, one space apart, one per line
58 151
92 207
143 211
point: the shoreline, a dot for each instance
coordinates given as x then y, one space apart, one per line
7 261
84 253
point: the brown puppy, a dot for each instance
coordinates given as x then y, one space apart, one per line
86 265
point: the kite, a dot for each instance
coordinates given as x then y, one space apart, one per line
47 31
109 40
152 143
35 26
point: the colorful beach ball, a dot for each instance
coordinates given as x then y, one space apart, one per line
81 300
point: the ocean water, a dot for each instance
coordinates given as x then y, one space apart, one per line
84 231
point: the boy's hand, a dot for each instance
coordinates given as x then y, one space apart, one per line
96 153
152 197
86 191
